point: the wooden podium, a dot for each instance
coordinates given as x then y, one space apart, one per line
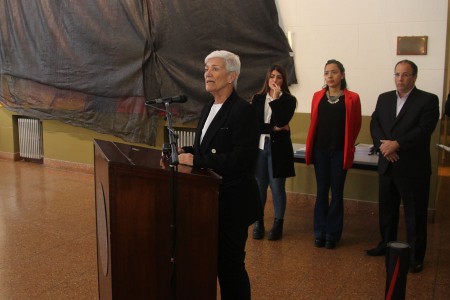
136 243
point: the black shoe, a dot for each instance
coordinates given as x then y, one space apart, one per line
319 243
379 250
415 267
277 230
258 230
330 244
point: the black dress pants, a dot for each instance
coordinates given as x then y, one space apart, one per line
414 193
233 277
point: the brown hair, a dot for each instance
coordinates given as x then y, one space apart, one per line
284 86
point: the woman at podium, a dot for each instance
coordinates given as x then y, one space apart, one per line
226 141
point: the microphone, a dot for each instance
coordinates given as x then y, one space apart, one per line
174 99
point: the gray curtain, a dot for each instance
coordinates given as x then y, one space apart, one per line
93 63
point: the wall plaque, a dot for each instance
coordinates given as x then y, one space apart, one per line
412 45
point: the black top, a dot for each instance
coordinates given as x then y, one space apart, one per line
331 125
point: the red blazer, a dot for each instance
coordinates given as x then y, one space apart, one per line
352 125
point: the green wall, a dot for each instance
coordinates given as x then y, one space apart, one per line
61 142
7 129
67 143
360 184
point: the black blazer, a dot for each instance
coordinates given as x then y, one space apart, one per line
229 148
412 129
281 145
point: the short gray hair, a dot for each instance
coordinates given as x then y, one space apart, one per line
232 62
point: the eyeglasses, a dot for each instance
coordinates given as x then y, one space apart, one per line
405 75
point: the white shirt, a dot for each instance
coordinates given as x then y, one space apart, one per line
401 101
212 113
267 109
267 116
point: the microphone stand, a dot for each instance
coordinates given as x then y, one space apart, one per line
172 137
173 194
171 152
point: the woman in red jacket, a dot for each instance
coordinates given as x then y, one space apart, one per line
335 124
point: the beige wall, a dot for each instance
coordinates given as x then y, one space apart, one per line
363 36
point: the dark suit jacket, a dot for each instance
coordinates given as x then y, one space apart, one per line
281 145
230 148
412 129
447 106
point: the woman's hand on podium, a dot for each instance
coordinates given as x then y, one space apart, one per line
186 159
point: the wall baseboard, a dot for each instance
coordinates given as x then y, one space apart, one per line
9 156
69 166
52 163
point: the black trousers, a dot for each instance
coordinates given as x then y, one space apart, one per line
414 193
233 277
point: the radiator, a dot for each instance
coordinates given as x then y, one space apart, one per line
30 138
185 137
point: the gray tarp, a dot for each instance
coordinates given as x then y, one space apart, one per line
93 63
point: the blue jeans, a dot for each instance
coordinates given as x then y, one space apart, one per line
264 177
329 215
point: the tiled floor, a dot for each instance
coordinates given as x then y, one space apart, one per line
48 246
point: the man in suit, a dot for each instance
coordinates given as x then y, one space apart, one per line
226 141
401 128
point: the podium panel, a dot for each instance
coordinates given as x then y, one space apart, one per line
140 254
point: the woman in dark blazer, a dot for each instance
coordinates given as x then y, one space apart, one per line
275 107
226 141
